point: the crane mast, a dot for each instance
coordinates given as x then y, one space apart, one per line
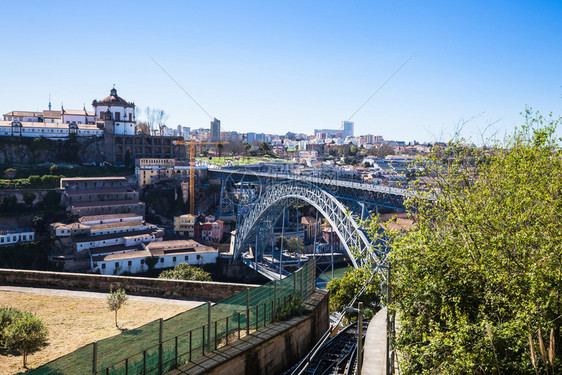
192 143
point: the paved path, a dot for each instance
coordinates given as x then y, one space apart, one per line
374 353
89 294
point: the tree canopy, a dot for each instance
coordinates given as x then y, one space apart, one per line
184 271
478 281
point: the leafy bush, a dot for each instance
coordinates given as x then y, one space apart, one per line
184 271
22 332
480 275
294 307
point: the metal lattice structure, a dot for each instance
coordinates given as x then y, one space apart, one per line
352 191
257 224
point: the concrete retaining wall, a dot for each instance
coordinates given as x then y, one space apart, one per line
204 290
270 350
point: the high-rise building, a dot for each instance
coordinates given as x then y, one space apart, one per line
347 128
215 130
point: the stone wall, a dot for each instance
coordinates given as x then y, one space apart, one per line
270 350
203 290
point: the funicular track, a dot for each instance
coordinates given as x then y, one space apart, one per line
338 354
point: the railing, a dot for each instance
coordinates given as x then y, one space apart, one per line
163 345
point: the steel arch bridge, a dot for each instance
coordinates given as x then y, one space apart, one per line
258 223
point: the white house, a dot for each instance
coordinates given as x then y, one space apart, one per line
168 253
10 236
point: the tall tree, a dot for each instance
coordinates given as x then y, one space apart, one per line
480 276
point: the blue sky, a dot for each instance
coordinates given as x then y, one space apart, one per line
278 66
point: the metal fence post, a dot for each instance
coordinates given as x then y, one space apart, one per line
239 319
302 290
274 312
190 346
227 330
95 358
160 336
295 283
208 326
216 335
247 311
144 362
176 353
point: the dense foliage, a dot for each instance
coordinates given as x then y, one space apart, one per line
342 290
21 332
184 271
478 281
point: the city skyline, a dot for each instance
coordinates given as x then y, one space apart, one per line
276 68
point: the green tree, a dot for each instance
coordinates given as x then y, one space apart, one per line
151 262
342 290
294 244
247 148
39 224
265 147
28 198
24 334
9 202
480 276
184 271
115 300
220 146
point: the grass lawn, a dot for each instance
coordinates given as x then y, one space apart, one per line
76 321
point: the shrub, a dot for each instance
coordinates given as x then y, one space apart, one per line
184 271
25 333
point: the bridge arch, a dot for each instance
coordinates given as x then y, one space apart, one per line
267 210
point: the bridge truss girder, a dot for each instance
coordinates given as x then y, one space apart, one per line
258 223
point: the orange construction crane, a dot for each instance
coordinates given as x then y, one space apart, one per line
192 143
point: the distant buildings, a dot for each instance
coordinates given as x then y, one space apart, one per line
118 243
152 170
113 118
215 130
100 195
13 235
201 227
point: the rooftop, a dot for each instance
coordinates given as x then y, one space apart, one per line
121 256
77 179
106 217
106 203
173 244
121 224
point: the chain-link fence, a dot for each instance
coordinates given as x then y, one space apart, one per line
161 345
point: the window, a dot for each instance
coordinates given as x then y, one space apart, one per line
174 259
116 264
117 116
103 266
161 260
130 263
142 261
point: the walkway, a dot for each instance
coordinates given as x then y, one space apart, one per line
374 353
102 295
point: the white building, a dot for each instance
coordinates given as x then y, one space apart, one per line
10 236
48 130
169 253
122 113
